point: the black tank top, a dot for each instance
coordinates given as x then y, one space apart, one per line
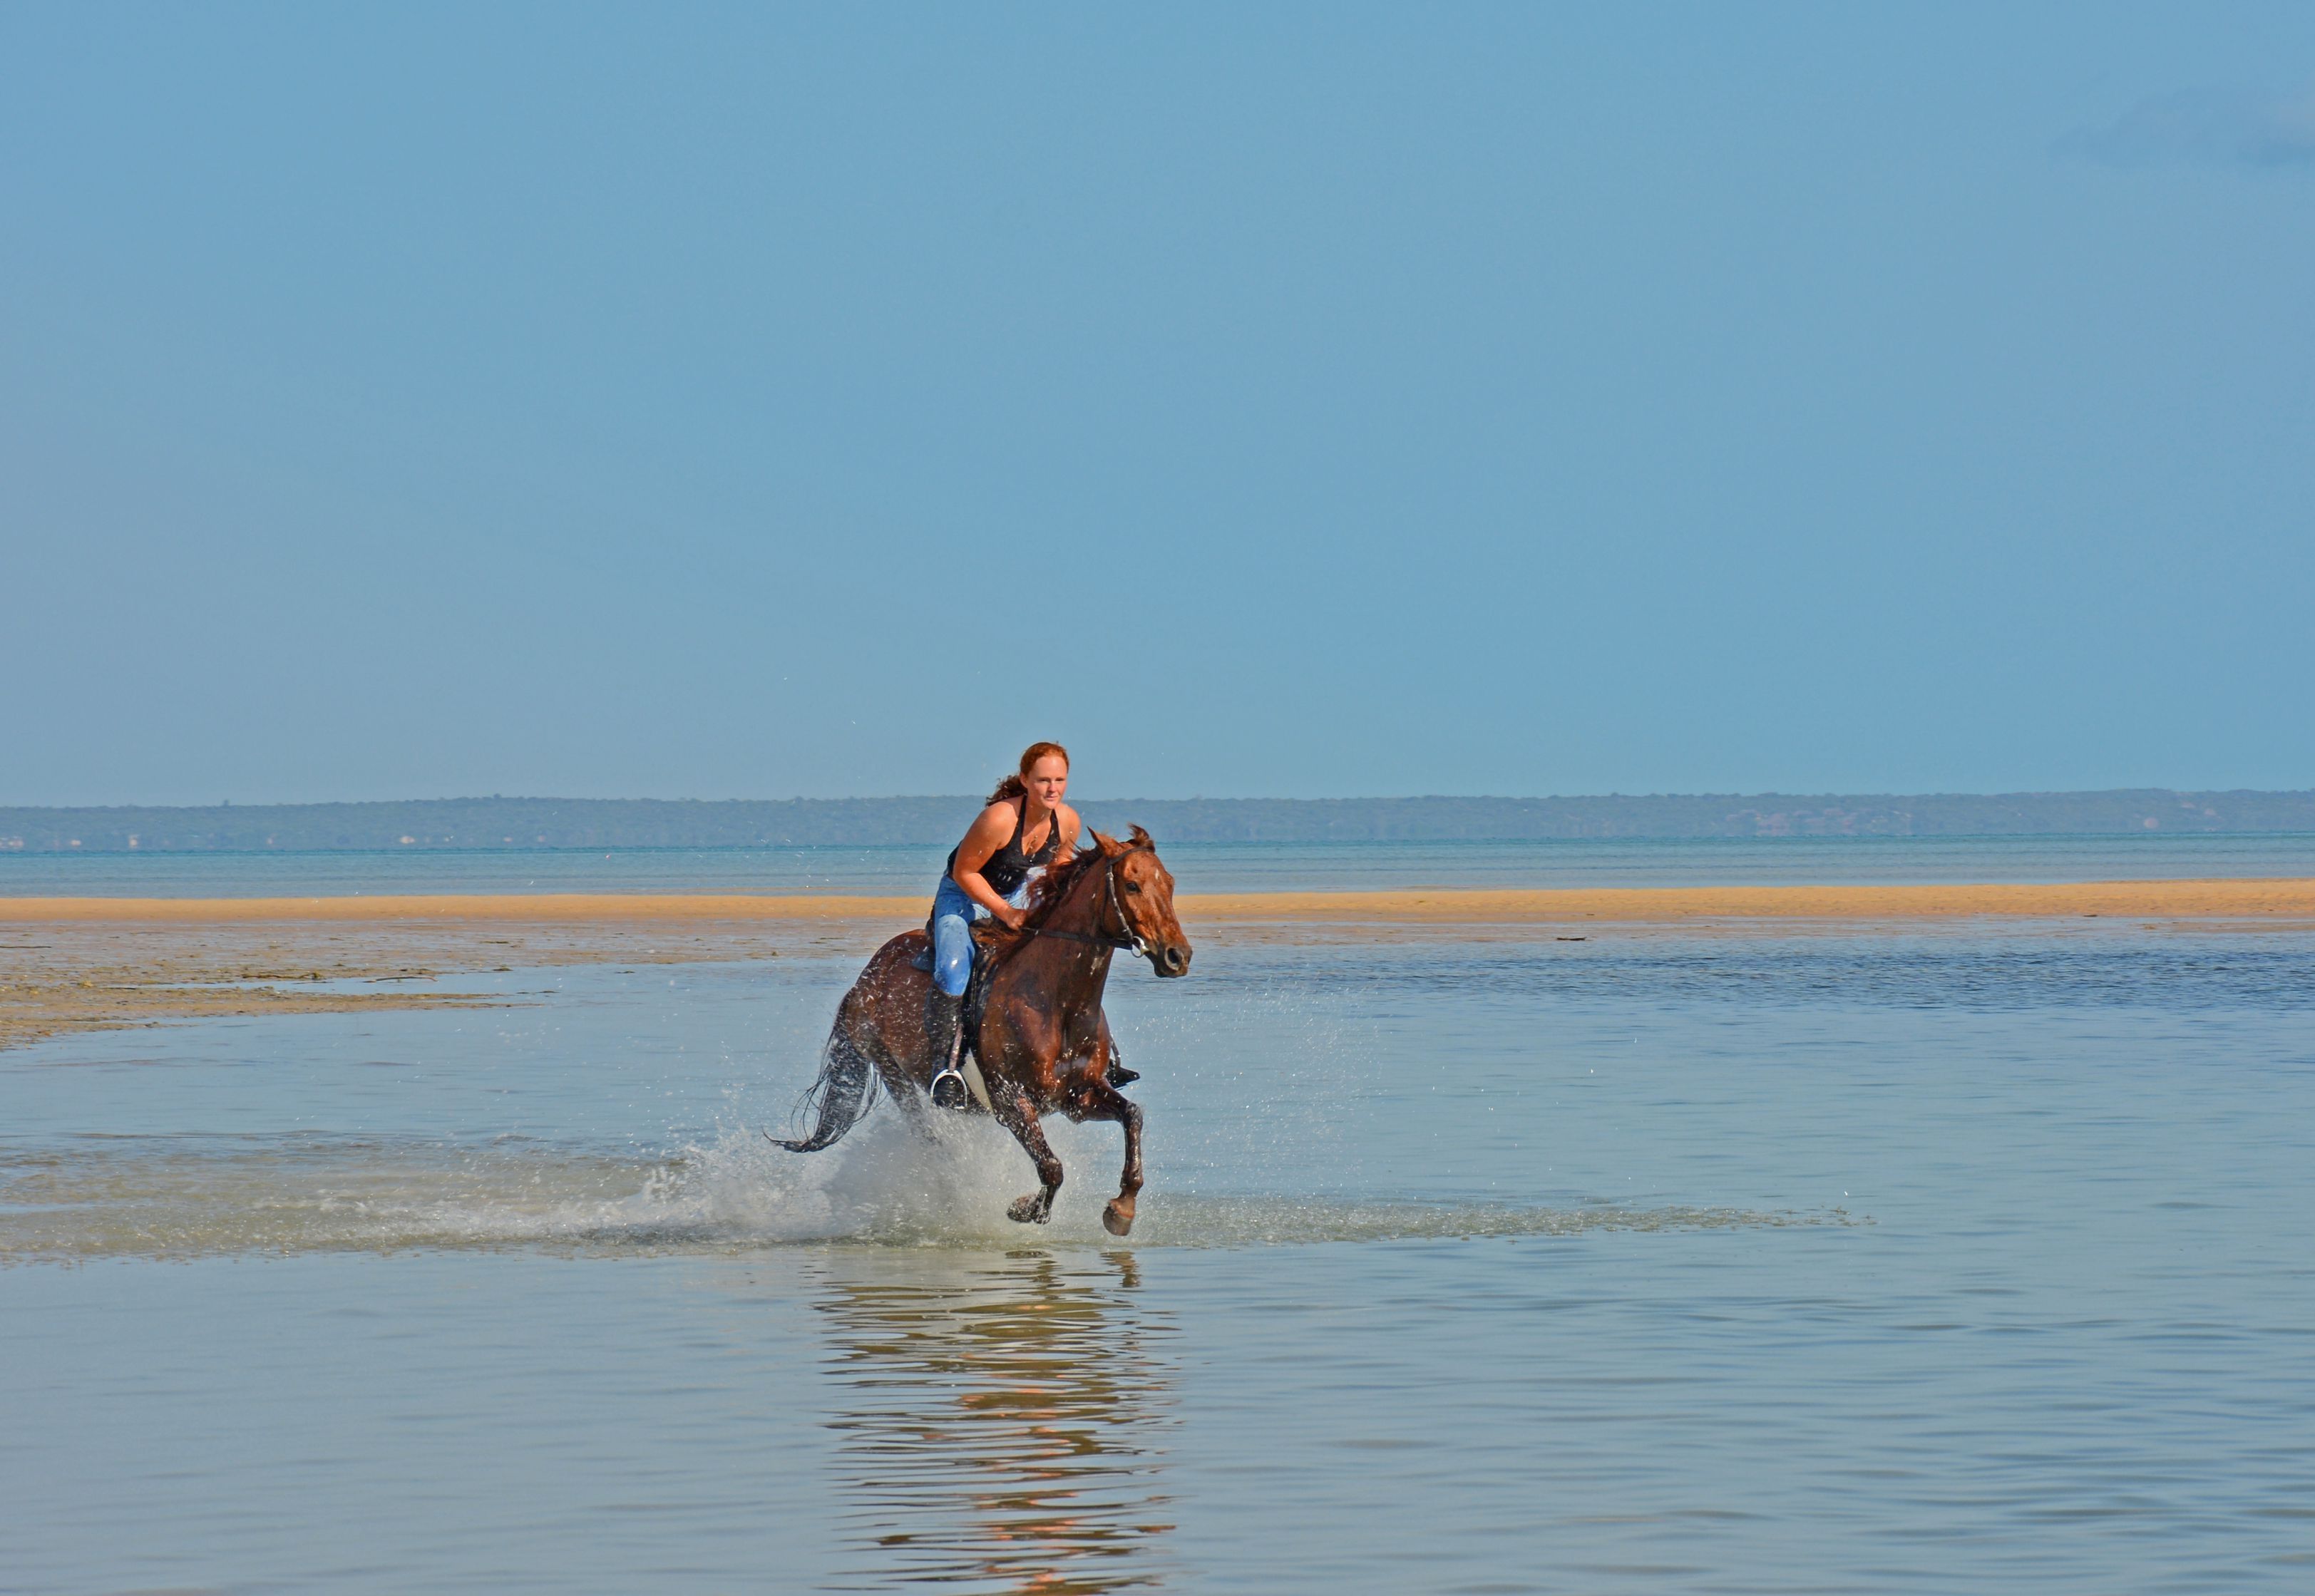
1009 866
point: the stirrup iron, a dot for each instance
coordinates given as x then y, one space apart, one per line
948 1088
944 1035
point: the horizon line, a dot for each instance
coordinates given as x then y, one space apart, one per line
1201 798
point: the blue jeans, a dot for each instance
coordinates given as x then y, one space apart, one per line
953 917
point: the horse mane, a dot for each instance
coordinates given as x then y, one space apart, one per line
1046 893
1048 889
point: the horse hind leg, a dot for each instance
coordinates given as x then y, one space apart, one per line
1013 1111
916 1108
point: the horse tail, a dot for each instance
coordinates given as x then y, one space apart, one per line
840 1097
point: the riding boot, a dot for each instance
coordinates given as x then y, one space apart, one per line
1119 1075
944 1040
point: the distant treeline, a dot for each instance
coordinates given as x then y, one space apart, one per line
650 822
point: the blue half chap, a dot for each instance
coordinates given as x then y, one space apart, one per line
953 917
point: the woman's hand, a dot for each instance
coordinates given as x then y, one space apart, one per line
976 887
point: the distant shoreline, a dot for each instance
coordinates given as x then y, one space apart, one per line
2292 899
464 824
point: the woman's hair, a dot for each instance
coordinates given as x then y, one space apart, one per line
1014 786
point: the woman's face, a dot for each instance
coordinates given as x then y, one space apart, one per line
1048 779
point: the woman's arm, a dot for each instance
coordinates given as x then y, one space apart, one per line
989 833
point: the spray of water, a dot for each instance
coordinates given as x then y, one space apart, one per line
185 1198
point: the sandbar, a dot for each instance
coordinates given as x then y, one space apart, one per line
77 964
2284 899
63 976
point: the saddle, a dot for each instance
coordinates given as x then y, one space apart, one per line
989 943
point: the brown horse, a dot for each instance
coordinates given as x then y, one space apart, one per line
1044 1043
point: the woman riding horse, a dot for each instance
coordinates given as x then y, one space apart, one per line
1022 830
1042 1043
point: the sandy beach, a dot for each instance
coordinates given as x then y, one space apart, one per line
70 964
2259 899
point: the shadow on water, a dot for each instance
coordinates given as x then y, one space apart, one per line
1000 1421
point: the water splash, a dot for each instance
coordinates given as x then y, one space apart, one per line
204 1197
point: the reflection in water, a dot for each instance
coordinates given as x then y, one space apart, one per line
1000 1420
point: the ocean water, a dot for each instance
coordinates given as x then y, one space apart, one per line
1198 867
1958 1259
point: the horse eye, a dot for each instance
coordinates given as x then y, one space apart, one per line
1132 887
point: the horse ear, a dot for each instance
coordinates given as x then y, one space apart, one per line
1141 839
1109 846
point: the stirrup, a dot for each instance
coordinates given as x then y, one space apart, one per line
948 1089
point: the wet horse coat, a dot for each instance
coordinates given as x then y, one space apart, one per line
1042 1043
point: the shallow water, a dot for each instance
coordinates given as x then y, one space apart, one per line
1950 1260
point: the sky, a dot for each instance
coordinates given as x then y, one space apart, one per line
1329 400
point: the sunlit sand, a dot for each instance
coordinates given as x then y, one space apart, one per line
2154 900
75 964
2264 899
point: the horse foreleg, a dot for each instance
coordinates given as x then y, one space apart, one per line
1105 1102
1014 1111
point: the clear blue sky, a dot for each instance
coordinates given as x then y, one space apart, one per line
695 401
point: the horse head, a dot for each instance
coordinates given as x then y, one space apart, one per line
1143 890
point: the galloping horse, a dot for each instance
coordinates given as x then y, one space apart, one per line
1045 1046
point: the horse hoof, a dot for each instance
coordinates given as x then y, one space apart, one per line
1024 1211
1117 1217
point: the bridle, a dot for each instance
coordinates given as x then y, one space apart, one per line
1124 936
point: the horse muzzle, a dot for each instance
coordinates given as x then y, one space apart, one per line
1171 960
